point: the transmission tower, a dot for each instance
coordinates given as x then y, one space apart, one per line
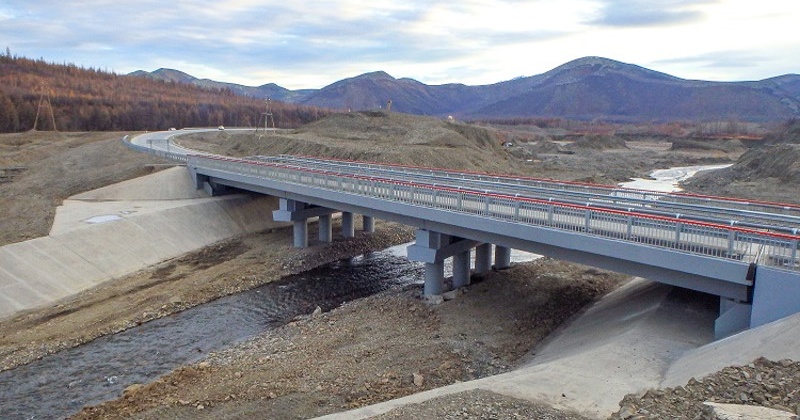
267 117
44 98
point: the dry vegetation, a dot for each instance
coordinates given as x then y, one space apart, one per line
80 99
309 367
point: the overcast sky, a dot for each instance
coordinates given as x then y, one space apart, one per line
310 44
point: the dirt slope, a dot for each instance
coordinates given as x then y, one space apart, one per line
40 169
373 136
769 172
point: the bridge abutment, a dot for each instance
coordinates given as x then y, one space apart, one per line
776 294
733 317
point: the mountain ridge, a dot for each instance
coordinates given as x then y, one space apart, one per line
586 88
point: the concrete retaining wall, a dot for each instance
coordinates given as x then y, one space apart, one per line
108 233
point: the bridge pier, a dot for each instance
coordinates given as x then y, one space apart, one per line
348 227
300 233
368 224
483 258
433 248
461 274
325 228
502 257
298 213
434 279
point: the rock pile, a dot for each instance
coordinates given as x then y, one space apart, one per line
762 383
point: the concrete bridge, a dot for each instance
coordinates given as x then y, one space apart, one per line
745 252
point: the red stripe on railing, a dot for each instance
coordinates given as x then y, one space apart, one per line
575 183
503 196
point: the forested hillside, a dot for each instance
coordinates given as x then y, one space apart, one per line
93 100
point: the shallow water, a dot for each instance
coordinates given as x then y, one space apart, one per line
666 180
61 384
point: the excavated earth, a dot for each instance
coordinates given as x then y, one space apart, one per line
366 351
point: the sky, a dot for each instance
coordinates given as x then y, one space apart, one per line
311 44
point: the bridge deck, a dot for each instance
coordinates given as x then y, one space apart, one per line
737 212
681 234
711 244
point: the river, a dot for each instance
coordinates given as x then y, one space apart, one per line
61 384
667 180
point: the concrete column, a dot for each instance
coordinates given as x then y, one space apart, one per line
483 258
461 269
434 279
325 228
300 233
502 257
368 224
348 229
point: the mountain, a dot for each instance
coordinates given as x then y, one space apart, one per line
268 91
373 90
586 88
594 87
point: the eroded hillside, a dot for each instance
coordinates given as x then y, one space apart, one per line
770 171
373 136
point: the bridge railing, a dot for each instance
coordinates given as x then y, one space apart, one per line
749 245
180 157
791 210
719 210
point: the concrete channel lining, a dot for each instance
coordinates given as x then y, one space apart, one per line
78 254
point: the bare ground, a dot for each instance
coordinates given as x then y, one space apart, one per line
355 355
39 169
372 350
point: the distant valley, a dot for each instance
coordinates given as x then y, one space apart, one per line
584 89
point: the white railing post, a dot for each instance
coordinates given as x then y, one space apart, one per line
587 223
630 228
731 242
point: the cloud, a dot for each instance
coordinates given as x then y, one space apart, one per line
637 13
718 59
316 42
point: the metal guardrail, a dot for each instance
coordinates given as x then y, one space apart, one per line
772 249
721 210
676 197
729 242
180 157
